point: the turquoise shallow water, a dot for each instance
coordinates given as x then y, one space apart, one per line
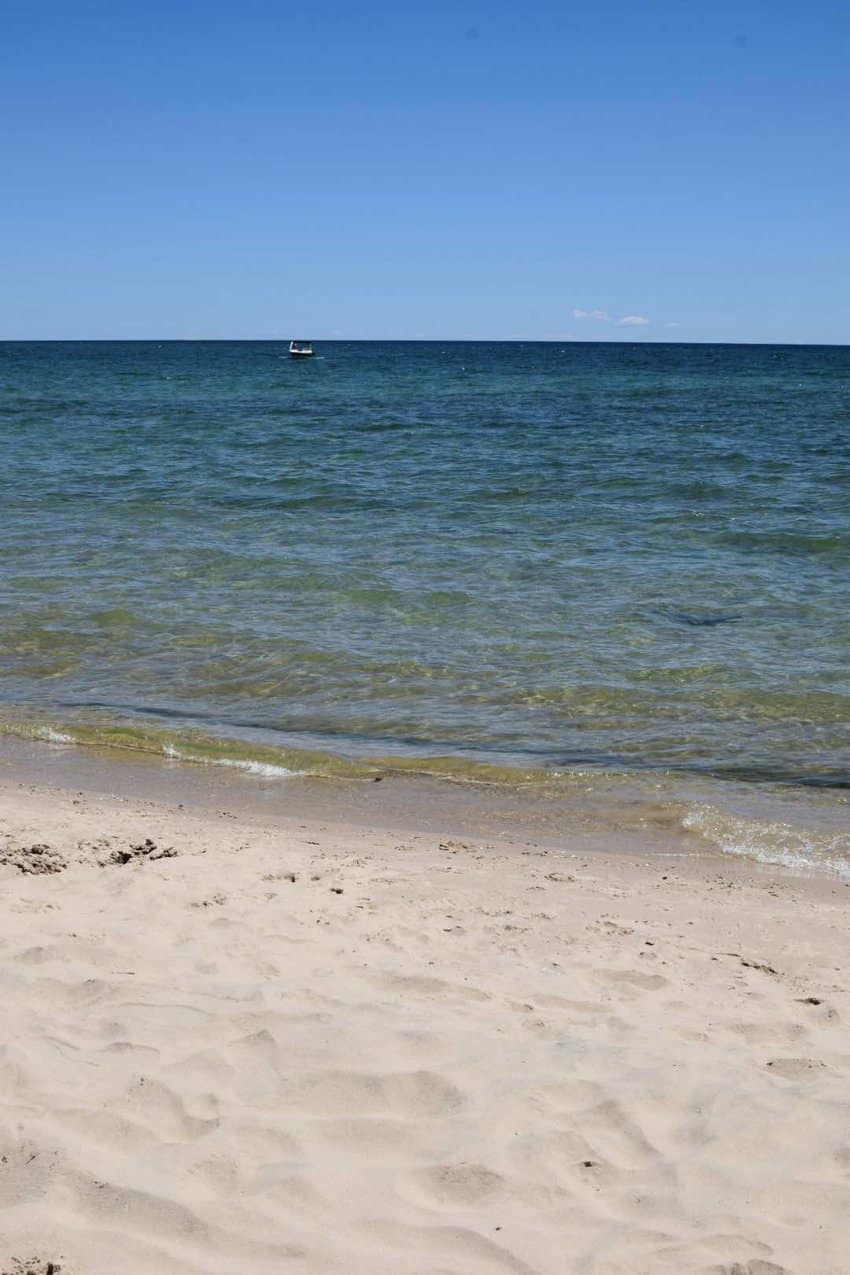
624 557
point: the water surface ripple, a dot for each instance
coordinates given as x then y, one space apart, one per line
620 556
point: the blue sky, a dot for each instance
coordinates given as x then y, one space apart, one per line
476 169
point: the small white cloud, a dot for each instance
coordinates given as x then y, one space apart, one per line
590 314
633 321
671 325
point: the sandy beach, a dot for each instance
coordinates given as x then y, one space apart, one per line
306 1045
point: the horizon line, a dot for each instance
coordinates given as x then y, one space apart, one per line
380 340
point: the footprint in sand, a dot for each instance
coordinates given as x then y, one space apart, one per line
570 1095
416 985
129 1048
163 1111
795 1068
756 1267
775 1034
617 1137
368 1135
633 978
564 1160
457 1185
416 1094
455 1248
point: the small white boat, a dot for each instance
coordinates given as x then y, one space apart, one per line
301 349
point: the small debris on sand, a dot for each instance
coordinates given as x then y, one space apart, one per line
759 965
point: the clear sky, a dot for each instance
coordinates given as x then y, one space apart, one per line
414 168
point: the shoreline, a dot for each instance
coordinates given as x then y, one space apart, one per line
243 1040
417 807
268 751
782 826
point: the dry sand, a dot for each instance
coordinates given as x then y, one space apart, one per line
312 1047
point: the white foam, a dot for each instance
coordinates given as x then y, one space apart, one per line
266 770
53 736
771 842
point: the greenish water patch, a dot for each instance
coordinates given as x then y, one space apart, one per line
194 747
191 747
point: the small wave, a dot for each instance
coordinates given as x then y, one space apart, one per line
262 768
771 841
54 736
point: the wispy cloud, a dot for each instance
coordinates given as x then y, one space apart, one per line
591 314
602 316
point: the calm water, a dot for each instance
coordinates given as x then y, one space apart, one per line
628 557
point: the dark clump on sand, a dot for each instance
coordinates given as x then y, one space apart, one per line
40 859
32 1266
146 850
32 860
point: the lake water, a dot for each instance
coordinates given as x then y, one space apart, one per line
598 559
